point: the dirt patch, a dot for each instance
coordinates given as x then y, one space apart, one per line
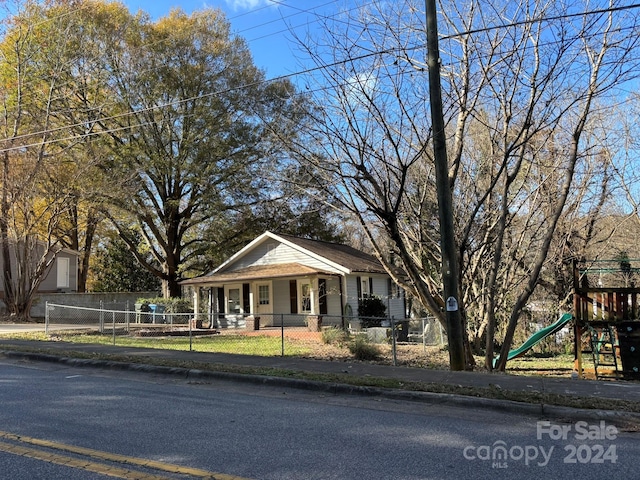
407 355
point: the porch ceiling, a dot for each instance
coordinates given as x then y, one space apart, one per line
257 272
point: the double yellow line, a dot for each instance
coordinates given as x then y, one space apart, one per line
18 442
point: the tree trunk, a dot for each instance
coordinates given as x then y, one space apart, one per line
7 275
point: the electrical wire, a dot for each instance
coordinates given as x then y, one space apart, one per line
282 78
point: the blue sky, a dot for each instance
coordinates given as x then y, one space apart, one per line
263 24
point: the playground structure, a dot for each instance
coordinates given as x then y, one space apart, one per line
606 320
607 317
537 337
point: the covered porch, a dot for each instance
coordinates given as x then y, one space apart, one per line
269 296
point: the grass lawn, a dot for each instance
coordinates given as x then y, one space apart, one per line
239 344
432 357
561 364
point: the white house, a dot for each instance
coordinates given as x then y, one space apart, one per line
286 280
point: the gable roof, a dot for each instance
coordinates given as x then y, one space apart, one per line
341 257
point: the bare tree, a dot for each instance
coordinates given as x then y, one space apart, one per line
522 81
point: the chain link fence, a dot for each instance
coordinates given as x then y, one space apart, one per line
311 336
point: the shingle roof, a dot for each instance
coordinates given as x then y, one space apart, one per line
349 257
256 272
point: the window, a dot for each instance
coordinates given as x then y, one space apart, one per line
263 294
393 289
306 297
62 267
234 300
365 287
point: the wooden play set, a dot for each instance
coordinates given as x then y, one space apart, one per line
607 318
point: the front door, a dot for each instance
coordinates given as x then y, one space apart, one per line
233 312
265 303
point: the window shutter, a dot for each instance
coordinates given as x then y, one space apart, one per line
322 296
293 296
246 302
359 284
221 300
370 287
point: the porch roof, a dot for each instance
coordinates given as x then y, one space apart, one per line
257 272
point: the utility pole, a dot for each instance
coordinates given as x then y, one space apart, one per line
445 210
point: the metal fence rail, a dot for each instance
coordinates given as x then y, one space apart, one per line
265 334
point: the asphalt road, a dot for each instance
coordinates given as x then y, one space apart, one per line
75 423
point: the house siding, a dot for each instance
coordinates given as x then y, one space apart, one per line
334 307
272 252
395 305
351 295
49 283
281 302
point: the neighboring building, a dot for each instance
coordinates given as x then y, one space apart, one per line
283 279
62 275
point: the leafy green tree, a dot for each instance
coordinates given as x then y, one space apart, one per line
53 77
197 137
164 128
292 214
116 270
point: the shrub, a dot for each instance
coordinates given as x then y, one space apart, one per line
371 311
361 349
171 305
334 335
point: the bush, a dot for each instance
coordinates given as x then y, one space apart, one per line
334 335
371 311
361 349
171 305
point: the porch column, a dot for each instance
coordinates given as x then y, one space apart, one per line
315 307
252 304
196 300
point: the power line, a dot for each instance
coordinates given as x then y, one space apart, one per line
277 79
543 20
298 11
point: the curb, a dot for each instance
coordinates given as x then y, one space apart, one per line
618 417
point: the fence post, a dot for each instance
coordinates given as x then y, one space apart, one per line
126 317
46 318
190 334
282 332
424 336
113 322
101 317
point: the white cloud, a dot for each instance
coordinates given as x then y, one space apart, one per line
248 4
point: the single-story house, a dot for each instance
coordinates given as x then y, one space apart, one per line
287 280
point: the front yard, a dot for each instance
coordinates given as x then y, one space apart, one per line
301 343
